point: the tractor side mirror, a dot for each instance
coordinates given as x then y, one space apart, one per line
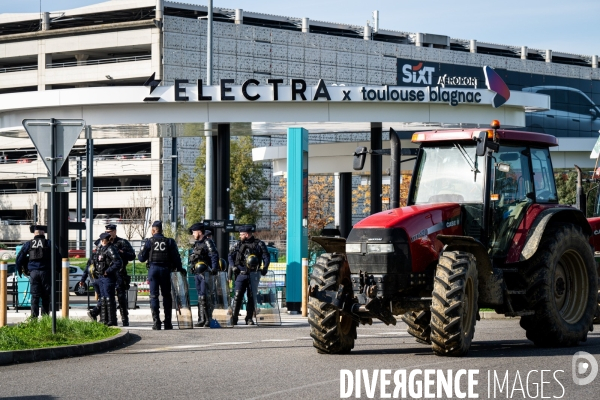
481 138
360 155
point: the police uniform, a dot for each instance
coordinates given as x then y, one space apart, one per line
163 257
91 272
245 257
108 265
204 258
127 254
34 260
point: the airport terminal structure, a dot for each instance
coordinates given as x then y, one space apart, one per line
120 44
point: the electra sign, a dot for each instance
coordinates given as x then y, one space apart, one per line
275 90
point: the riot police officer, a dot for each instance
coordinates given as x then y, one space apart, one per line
162 256
246 257
108 264
204 258
34 260
127 254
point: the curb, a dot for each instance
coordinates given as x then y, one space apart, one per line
55 353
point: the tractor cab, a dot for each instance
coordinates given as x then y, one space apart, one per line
452 168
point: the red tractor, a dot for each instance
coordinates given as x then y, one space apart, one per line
482 228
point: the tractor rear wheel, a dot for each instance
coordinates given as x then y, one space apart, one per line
454 304
332 332
562 288
419 325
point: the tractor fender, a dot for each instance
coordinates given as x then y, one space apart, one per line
331 244
491 280
558 214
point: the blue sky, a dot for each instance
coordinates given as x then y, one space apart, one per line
566 26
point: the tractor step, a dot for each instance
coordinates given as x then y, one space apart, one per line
516 291
519 313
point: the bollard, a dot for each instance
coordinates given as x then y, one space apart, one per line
304 287
3 298
65 288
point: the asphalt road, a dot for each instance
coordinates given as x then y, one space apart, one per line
280 362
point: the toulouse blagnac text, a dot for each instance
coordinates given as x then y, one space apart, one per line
298 91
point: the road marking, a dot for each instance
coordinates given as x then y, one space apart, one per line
229 343
393 333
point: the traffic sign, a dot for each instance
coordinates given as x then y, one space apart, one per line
63 184
67 133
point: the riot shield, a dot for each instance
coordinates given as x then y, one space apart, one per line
220 299
181 299
265 299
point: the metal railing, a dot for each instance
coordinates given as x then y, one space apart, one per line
17 69
74 189
98 62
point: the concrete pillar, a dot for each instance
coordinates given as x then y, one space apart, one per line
305 25
239 16
223 184
524 51
345 203
473 46
81 58
125 181
594 61
160 10
548 55
43 60
376 168
46 21
419 39
174 181
156 52
367 32
297 214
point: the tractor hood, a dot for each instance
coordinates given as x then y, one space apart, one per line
415 226
417 221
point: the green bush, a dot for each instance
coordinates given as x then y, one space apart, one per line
37 333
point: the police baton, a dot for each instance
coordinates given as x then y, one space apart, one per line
3 282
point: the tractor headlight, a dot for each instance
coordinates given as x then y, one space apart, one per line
380 248
353 248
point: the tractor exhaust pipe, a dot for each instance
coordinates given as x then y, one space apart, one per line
395 151
580 198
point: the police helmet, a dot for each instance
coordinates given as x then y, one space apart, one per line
199 267
252 261
222 264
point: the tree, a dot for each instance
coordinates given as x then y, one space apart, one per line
134 216
247 184
364 192
566 188
321 203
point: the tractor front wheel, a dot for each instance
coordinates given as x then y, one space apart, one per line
419 325
454 304
332 332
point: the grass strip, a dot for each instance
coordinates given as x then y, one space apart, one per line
37 333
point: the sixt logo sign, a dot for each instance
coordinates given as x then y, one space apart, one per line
417 74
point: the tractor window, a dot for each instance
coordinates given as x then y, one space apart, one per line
543 177
512 194
450 173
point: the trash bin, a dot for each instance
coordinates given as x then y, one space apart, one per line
24 294
132 296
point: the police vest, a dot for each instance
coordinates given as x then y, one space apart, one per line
38 249
159 250
202 251
245 251
102 260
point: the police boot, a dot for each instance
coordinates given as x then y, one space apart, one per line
156 320
104 311
93 314
124 315
112 311
168 325
201 312
123 310
209 310
237 304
